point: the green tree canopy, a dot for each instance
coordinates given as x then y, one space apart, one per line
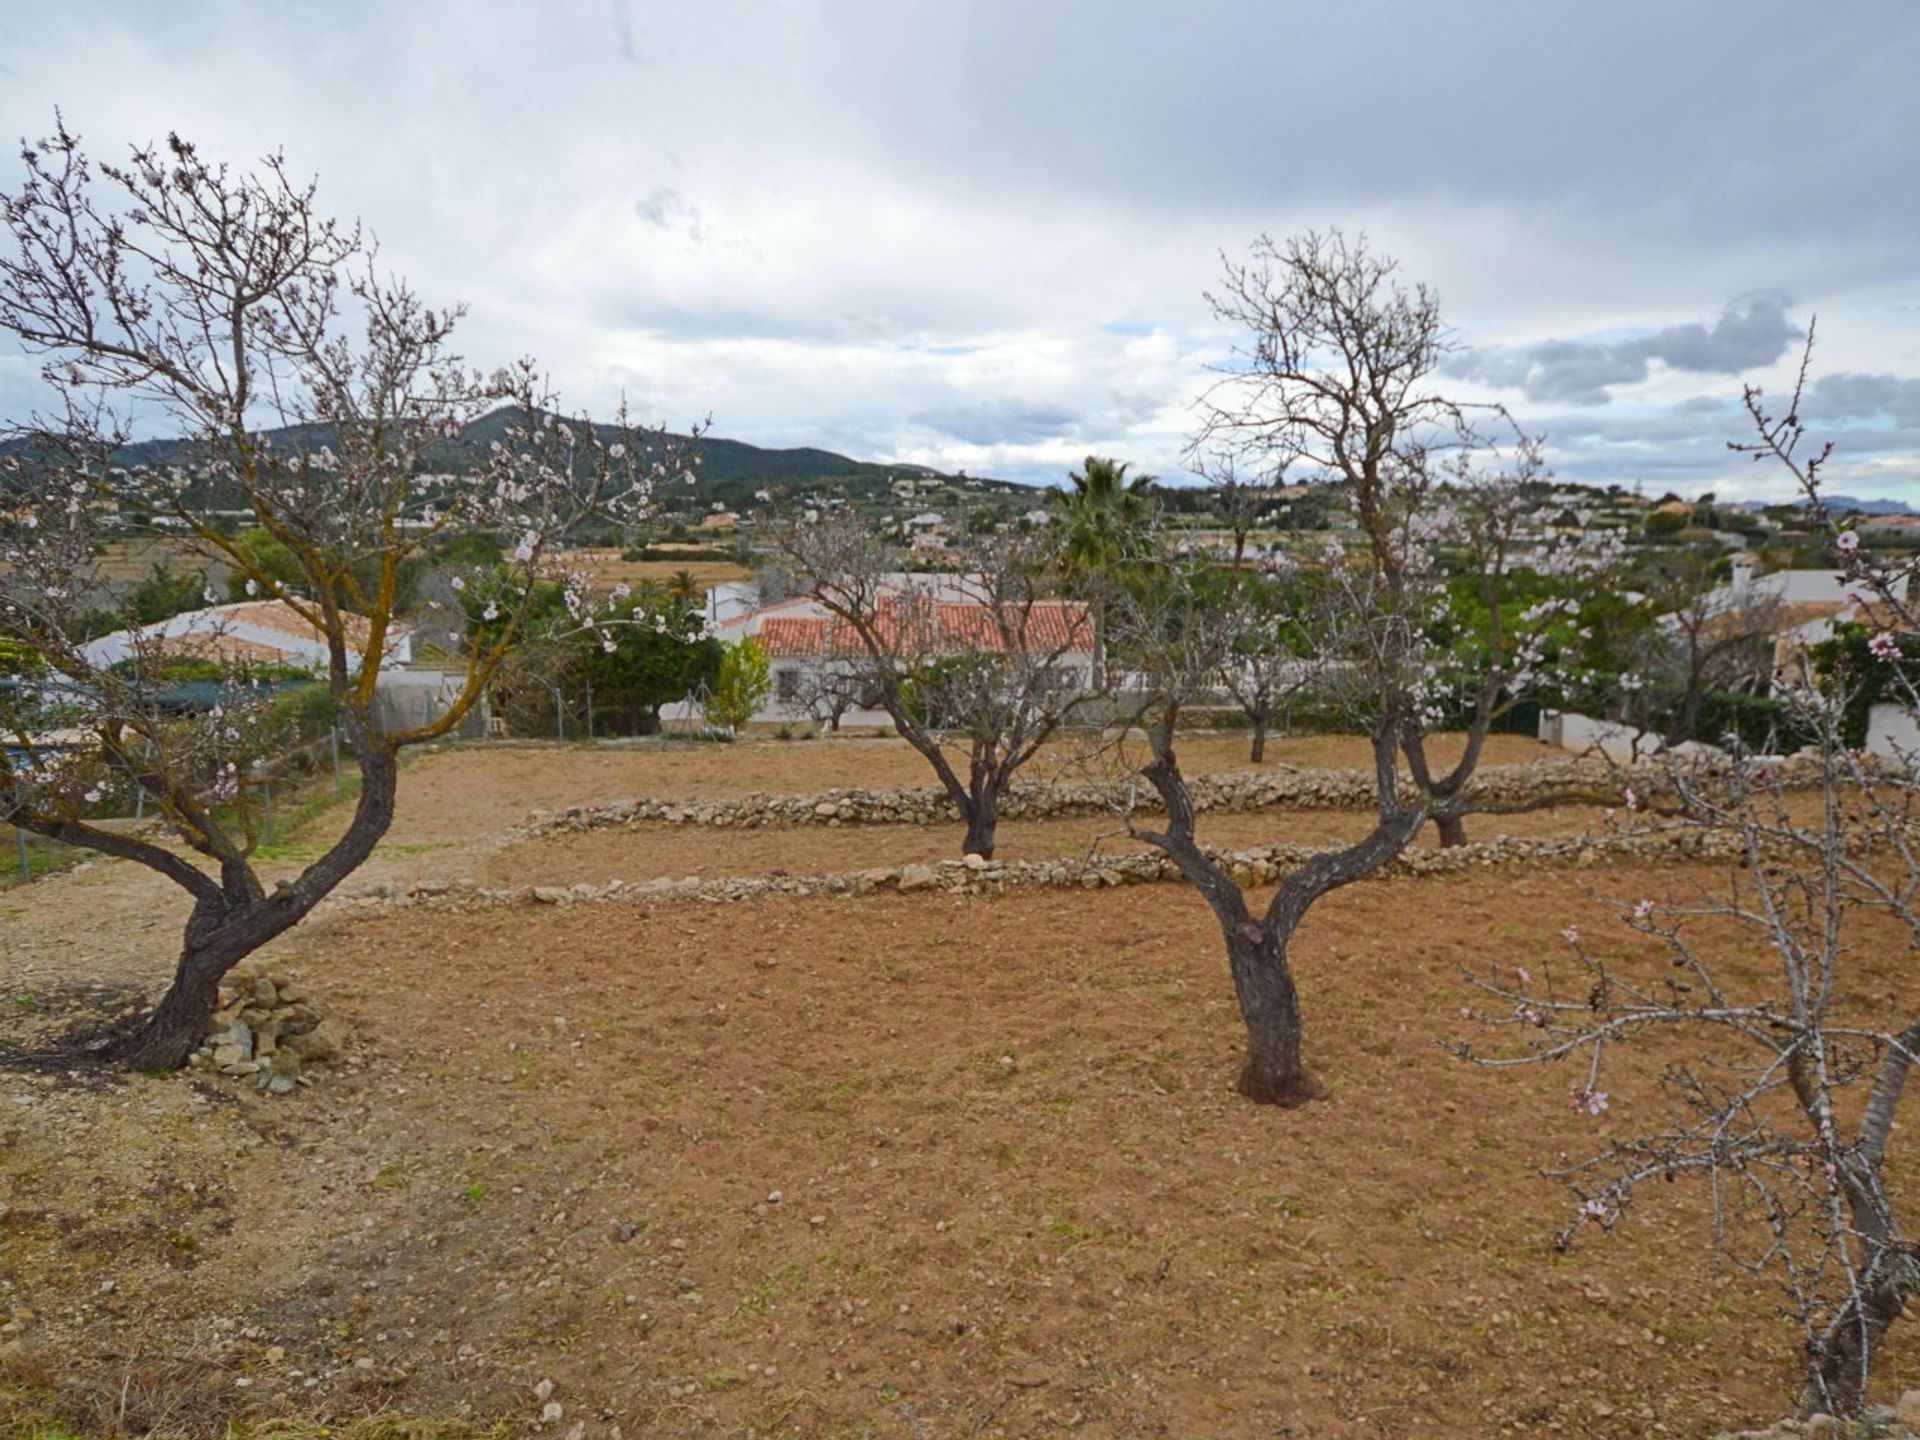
1106 514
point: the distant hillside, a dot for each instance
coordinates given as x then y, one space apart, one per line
1841 505
729 470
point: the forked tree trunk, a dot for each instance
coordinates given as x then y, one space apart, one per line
1453 830
1272 1071
219 936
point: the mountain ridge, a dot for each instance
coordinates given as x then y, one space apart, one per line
728 471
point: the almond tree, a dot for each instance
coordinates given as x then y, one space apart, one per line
1790 1084
993 658
1265 666
1336 386
1793 1071
319 397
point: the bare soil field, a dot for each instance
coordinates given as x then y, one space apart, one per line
641 852
608 568
921 1166
454 793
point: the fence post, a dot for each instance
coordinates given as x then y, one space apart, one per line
139 803
334 742
589 709
559 717
268 791
26 865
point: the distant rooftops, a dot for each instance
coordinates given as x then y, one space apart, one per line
268 632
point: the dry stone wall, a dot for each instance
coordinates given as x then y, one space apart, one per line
929 805
1534 781
266 1031
973 875
1878 1422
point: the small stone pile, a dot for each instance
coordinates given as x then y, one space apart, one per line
1876 1422
266 1030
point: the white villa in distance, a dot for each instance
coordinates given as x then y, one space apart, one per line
259 632
802 638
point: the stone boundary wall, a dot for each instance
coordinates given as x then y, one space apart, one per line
929 805
975 876
1234 790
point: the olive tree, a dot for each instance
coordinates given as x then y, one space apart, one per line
313 394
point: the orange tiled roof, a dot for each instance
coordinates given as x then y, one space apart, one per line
1050 626
225 647
792 635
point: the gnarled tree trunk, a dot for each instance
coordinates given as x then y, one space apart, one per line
178 1023
983 819
1453 829
1272 1071
222 933
1840 1383
1260 722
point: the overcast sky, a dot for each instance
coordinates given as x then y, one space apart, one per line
977 235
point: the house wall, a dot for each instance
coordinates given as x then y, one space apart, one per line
1584 735
1893 732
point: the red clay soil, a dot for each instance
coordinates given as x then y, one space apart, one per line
1015 1192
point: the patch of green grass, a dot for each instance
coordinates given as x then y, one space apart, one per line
44 857
1286 1205
840 1099
391 1176
32 1409
475 1193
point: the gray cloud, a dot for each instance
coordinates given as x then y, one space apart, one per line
1001 422
1853 396
668 210
799 219
1751 332
623 32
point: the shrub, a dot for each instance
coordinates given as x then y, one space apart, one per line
303 712
744 681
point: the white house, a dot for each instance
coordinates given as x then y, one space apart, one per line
262 632
803 639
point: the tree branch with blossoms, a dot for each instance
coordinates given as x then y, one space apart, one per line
324 401
1789 1080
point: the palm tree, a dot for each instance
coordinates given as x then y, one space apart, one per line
1105 512
682 586
1106 516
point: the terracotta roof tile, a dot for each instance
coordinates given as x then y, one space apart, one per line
1052 625
791 635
